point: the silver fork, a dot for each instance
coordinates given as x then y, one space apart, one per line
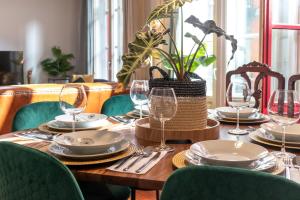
288 163
139 151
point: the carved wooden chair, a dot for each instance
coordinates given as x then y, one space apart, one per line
292 81
263 71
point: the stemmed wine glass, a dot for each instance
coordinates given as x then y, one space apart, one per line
284 109
72 106
238 96
139 91
163 107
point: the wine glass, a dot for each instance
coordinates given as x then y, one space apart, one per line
283 108
139 91
72 106
163 107
238 96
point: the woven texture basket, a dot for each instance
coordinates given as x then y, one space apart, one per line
191 98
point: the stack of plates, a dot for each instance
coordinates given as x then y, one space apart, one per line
87 145
84 121
231 153
271 134
136 112
247 115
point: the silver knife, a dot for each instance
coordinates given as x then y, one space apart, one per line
156 156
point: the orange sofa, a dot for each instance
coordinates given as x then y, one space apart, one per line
12 98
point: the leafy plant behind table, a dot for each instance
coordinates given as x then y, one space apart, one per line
60 63
148 43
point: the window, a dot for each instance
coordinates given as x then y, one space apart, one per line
105 38
240 18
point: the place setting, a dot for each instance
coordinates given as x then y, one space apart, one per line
231 154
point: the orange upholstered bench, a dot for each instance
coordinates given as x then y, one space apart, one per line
12 98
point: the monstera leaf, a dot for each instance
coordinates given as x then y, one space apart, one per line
139 50
209 27
165 10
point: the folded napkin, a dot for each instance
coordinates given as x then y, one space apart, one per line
19 140
295 174
138 164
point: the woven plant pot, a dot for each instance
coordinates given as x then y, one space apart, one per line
191 97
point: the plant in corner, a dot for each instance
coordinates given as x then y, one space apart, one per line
190 89
59 65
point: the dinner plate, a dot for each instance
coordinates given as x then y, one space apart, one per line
59 126
254 136
292 133
89 142
83 120
58 150
264 164
179 161
264 135
262 119
227 152
232 113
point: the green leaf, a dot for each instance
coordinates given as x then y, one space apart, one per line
139 50
194 38
209 27
207 60
166 9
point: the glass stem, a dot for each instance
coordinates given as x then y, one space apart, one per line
283 139
73 123
237 119
162 142
141 113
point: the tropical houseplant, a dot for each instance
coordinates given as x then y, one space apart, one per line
190 89
59 65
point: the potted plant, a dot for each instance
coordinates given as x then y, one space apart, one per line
190 89
59 65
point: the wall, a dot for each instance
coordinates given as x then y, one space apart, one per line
34 26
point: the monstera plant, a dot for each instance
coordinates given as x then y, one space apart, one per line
149 42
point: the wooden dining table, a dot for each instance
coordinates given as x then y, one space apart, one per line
153 179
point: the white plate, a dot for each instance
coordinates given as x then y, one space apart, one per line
231 112
292 132
89 142
67 153
61 126
229 153
83 120
266 164
264 135
145 109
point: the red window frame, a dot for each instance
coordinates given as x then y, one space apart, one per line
267 47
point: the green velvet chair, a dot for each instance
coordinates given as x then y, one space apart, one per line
117 105
223 183
32 115
26 173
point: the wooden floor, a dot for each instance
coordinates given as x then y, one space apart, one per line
145 195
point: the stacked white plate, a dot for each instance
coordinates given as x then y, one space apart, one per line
88 144
274 132
136 112
230 153
247 115
83 121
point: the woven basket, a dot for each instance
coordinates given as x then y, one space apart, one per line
191 97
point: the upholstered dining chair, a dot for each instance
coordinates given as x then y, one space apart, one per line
224 183
117 105
263 71
26 173
32 115
292 81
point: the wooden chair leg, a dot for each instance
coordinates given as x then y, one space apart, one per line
132 195
157 194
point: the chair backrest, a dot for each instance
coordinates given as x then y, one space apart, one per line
117 105
29 174
32 115
263 70
292 81
223 183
